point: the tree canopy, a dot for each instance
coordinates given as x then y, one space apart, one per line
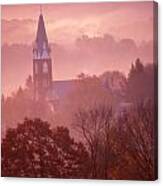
34 150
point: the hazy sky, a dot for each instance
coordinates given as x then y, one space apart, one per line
109 28
67 21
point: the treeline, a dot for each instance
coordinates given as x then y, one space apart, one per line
111 85
113 118
112 148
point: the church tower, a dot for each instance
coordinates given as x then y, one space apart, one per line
42 64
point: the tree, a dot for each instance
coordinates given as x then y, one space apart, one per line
114 81
137 142
75 157
95 125
140 83
34 150
29 87
21 104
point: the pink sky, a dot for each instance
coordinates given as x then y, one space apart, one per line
67 21
66 24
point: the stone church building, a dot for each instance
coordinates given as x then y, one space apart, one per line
44 86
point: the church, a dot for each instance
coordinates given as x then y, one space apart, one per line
44 86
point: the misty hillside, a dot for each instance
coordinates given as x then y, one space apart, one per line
69 61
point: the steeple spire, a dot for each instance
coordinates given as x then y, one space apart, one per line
41 42
42 64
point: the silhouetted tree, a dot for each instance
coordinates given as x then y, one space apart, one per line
137 142
29 87
34 150
95 125
140 84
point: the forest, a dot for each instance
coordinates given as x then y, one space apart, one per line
106 128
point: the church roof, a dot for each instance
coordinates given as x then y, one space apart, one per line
41 42
60 89
63 88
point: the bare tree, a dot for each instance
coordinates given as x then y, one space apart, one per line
95 125
139 141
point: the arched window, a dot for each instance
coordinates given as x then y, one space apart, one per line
45 67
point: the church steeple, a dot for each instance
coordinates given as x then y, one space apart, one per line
41 48
42 65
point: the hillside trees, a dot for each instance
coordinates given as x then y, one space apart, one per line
141 82
21 104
